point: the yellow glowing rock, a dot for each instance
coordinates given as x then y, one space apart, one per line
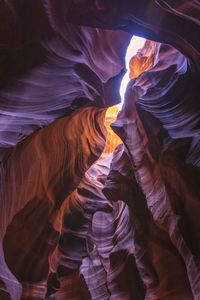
112 140
141 61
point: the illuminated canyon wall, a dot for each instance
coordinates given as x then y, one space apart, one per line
98 202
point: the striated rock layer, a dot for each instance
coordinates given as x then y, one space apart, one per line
159 20
36 178
81 216
50 67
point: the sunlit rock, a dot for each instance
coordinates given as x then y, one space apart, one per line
99 197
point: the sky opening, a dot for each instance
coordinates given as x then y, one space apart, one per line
135 44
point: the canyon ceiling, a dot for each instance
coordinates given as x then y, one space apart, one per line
96 203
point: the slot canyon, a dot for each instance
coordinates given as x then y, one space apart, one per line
99 178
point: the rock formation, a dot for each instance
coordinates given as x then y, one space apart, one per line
98 202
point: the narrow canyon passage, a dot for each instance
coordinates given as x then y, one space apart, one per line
99 150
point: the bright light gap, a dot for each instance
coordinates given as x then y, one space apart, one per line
135 44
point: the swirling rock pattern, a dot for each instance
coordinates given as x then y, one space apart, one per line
165 200
156 20
153 250
33 206
50 67
82 217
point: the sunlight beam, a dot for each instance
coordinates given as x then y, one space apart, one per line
136 43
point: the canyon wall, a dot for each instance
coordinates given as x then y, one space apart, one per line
90 210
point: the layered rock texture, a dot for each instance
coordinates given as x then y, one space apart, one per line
98 202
